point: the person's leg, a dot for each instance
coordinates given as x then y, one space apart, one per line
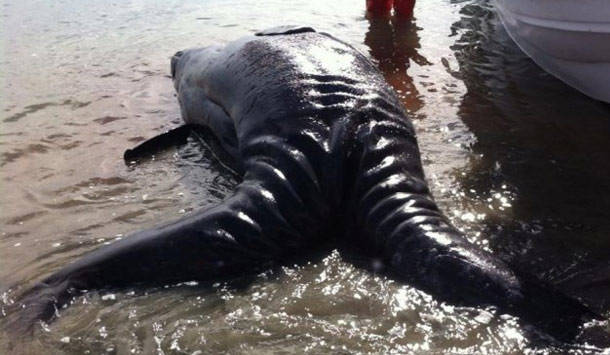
379 7
404 8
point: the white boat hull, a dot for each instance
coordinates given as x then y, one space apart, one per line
568 38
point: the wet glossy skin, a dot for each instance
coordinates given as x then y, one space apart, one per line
328 157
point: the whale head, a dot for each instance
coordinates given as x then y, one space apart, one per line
174 63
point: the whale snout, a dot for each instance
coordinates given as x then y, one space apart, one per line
174 63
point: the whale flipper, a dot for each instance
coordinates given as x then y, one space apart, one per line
285 30
171 138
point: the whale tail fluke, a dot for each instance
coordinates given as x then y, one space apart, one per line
268 221
38 304
549 309
396 219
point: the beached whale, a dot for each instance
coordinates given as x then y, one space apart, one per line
329 159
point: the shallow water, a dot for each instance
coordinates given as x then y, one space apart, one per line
516 158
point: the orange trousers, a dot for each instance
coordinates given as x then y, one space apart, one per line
403 8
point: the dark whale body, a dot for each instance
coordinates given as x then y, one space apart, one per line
328 157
